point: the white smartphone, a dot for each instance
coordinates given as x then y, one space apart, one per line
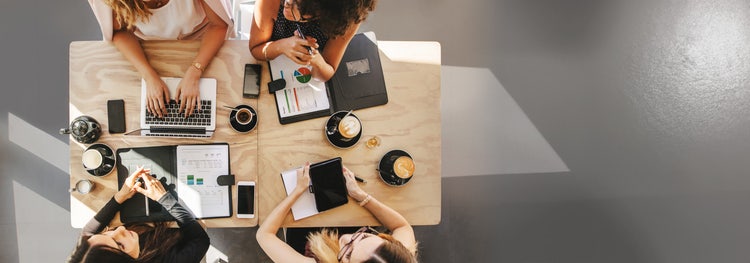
245 199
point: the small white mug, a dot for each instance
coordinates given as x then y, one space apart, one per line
83 186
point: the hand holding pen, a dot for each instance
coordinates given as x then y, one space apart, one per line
302 35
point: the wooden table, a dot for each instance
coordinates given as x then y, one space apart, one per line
410 122
98 72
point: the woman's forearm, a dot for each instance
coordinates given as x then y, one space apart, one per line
273 222
386 215
130 47
210 44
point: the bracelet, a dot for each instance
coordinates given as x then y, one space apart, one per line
197 65
366 200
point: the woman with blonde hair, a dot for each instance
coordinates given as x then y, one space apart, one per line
127 22
364 245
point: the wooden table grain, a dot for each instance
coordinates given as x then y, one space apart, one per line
410 121
98 72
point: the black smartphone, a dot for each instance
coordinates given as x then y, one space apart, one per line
116 116
251 85
245 199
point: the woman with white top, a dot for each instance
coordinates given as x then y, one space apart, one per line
127 22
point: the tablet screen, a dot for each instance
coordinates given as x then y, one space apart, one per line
329 185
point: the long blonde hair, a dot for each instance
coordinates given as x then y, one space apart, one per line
128 12
324 245
325 248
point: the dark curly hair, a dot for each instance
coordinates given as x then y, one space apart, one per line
335 16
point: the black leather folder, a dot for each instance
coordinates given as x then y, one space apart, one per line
163 164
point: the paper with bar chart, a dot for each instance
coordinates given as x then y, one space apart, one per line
198 167
303 93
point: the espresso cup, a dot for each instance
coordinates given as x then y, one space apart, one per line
83 187
243 116
98 159
349 127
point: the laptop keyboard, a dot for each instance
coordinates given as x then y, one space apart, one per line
201 116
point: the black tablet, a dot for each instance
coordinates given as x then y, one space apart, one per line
328 184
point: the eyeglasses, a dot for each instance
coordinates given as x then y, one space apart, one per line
346 250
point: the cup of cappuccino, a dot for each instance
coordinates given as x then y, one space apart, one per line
98 159
396 168
82 187
349 127
403 167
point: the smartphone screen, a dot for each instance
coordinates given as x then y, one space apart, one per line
116 116
251 86
245 200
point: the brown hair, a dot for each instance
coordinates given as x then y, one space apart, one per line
157 240
325 248
335 16
128 12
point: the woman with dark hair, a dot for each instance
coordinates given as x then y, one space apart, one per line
327 26
142 242
364 245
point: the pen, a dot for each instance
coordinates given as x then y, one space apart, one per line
360 179
299 31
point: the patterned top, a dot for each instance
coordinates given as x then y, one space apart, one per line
283 28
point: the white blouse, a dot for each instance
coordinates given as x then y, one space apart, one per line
178 19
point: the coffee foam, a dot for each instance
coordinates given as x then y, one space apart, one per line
349 127
403 167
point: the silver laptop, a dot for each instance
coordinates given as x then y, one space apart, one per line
201 124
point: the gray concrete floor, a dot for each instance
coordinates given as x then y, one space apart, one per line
619 132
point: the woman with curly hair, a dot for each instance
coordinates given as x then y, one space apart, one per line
364 245
142 242
327 26
127 22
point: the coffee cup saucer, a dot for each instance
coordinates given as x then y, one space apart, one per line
336 139
243 128
106 152
385 168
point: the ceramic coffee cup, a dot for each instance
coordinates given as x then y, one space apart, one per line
83 187
243 118
396 167
98 159
343 130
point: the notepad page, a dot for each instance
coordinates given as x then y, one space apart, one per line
305 205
